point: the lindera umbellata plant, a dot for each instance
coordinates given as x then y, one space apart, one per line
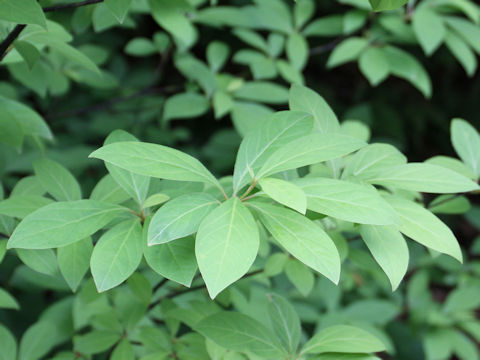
302 184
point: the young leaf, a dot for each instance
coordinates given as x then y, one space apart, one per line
285 321
273 133
466 141
240 332
429 28
343 339
7 301
347 201
156 161
424 178
303 99
57 180
117 254
462 52
154 200
226 245
307 150
9 344
425 228
74 261
180 217
22 12
135 185
62 223
285 193
389 249
301 237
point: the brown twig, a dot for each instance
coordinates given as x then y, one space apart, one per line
15 33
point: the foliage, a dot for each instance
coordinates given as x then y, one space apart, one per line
302 229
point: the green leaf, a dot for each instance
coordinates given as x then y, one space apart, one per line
449 204
462 52
452 164
95 342
326 26
117 254
372 157
423 177
246 116
285 193
107 190
241 333
198 72
425 228
135 185
429 28
297 50
31 122
300 276
270 135
155 161
382 5
7 301
466 141
62 223
262 91
467 30
301 237
285 321
40 260
37 341
303 11
303 99
465 298
389 249
464 347
226 245
348 50
140 46
438 343
11 132
307 150
169 15
74 261
174 260
21 205
374 65
407 67
69 52
155 199
119 8
123 351
180 217
217 55
347 201
22 12
9 344
185 105
343 338
57 180
28 52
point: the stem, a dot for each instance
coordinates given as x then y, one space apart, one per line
194 288
250 188
2 235
5 44
252 196
223 192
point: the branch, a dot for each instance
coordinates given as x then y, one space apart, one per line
5 44
324 48
194 288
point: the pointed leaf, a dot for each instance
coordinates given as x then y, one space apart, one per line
389 249
466 141
347 201
180 217
74 261
57 180
62 223
7 301
301 237
9 344
286 193
117 254
226 245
